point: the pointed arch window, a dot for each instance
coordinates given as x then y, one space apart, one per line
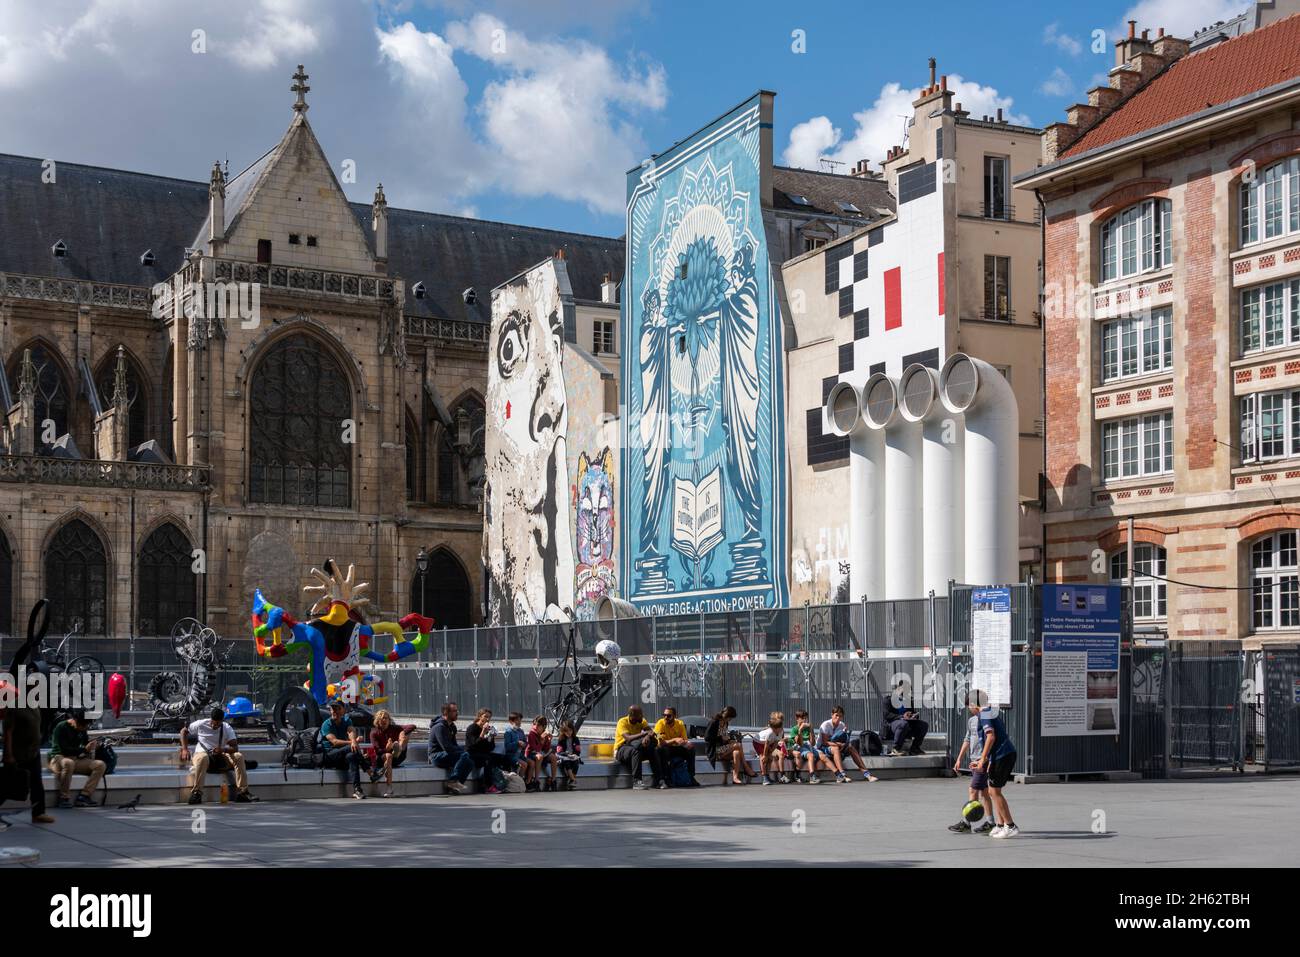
168 585
299 404
460 453
76 579
51 387
138 428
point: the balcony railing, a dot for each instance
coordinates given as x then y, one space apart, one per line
77 291
97 473
451 330
1005 212
298 279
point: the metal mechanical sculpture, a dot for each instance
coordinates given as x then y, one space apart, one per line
178 698
579 688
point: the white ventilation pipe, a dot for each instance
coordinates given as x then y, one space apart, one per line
902 543
978 391
942 441
866 492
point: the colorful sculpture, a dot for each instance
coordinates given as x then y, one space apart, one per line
337 636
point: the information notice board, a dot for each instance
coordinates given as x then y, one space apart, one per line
990 612
1081 643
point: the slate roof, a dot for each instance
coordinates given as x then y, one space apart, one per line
108 218
1197 81
825 191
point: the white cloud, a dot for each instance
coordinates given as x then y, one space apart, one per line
1182 18
881 125
1053 36
1058 84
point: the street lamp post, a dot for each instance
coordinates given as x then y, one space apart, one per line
421 567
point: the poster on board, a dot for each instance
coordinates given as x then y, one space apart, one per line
990 610
1081 647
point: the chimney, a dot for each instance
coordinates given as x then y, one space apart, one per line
379 223
608 290
217 205
932 65
862 168
1000 119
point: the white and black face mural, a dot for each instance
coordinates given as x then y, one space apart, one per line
527 541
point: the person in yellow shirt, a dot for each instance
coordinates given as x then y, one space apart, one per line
634 742
673 744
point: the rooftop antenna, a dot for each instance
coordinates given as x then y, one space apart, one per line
830 165
907 125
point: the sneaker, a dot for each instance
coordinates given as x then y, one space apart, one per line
196 797
915 752
359 794
65 802
984 828
42 819
662 785
997 831
1004 831
785 779
961 827
388 794
695 784
841 779
869 777
84 800
454 787
814 779
532 787
244 797
638 785
766 781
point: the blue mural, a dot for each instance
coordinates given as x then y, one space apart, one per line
703 492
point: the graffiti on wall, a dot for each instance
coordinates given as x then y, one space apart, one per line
526 533
703 471
593 500
819 571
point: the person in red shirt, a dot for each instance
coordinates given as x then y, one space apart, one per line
541 751
388 743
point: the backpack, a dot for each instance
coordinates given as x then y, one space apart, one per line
869 743
499 779
678 774
301 750
514 783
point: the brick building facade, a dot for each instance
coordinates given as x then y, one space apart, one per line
1172 305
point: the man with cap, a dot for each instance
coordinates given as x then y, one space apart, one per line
217 750
342 744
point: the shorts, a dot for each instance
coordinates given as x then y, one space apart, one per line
1000 770
979 780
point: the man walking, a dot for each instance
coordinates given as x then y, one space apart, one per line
998 759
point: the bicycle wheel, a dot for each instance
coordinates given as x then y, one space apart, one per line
85 665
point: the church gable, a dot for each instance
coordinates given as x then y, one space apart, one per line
296 204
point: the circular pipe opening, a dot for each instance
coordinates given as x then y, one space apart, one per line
916 392
879 400
842 409
959 382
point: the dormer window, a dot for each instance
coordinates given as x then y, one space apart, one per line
418 290
60 249
146 258
311 241
295 239
469 296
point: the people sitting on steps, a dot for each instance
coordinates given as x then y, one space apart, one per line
540 749
903 721
388 744
722 745
72 752
480 745
446 752
216 749
833 736
342 746
801 745
634 742
673 744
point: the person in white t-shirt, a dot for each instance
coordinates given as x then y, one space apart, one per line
773 738
217 749
833 740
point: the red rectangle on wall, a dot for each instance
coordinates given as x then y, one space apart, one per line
893 298
941 302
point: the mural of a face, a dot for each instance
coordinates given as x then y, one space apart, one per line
526 527
594 494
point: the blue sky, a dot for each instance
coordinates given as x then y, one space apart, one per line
522 111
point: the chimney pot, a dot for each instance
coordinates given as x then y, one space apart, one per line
943 82
932 65
999 114
1160 33
1132 29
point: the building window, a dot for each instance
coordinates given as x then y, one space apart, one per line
76 575
602 334
264 250
293 239
997 288
813 242
311 241
167 581
1142 445
1137 346
1270 316
444 592
1149 587
1270 202
138 427
1275 582
414 456
51 389
1136 240
996 204
1270 426
460 457
300 406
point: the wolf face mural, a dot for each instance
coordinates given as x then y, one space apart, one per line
526 532
703 446
594 536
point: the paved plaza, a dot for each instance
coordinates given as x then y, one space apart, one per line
1220 823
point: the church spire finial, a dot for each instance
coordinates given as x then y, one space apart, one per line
301 88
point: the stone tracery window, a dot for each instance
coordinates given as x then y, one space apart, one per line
76 579
138 427
167 581
51 387
299 405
